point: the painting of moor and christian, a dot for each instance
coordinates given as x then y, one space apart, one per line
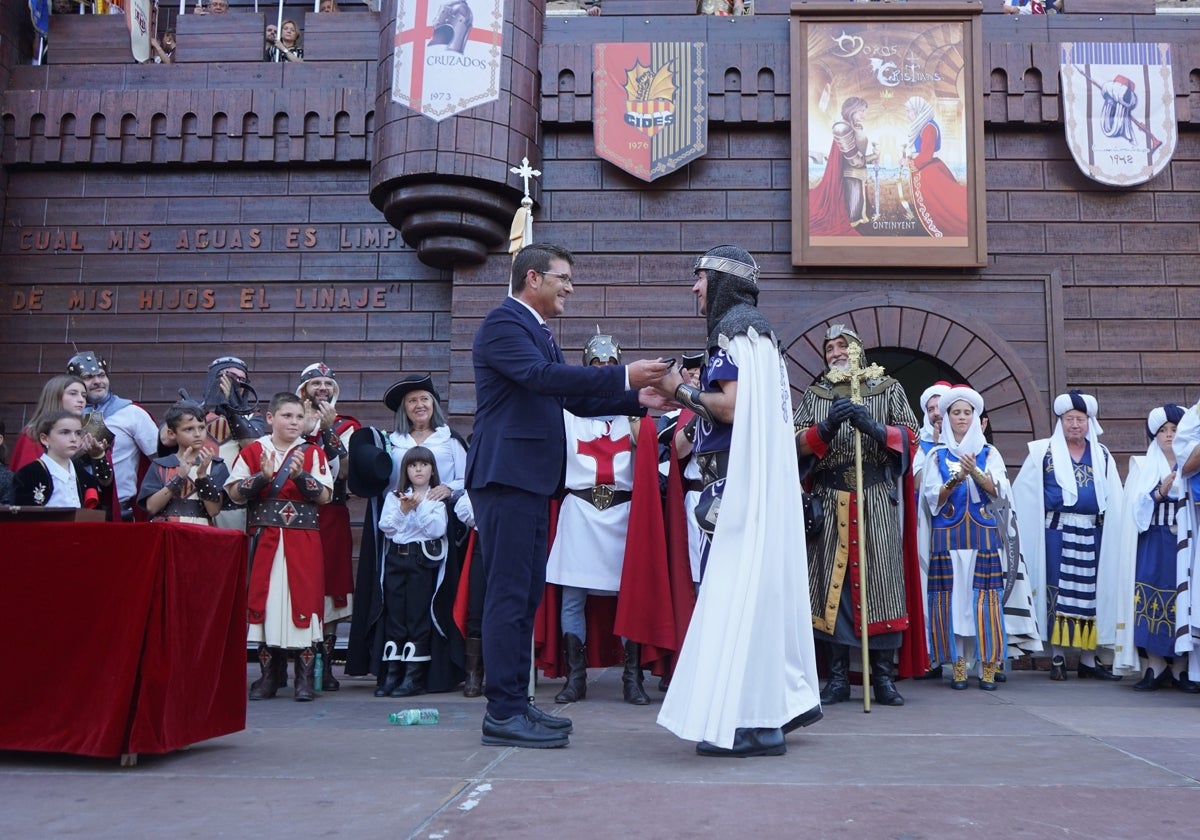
887 124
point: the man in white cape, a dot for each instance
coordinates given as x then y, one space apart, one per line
747 672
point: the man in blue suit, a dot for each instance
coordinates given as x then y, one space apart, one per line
516 463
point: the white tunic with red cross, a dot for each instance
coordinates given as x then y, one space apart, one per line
589 543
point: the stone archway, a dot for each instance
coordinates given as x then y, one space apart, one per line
928 325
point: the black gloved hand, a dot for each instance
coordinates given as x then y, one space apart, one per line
861 419
839 412
842 409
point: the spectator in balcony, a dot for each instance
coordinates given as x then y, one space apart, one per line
270 36
723 8
328 6
288 45
570 7
215 7
164 51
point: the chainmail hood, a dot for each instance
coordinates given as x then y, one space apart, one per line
731 298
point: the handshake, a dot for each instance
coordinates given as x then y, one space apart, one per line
858 415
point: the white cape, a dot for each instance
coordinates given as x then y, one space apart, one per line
748 659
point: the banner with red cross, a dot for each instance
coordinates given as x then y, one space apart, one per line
447 55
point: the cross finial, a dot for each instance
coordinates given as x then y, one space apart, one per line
525 172
856 374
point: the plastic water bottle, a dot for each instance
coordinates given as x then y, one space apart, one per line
414 717
319 672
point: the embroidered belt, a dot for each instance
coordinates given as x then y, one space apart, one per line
282 513
192 508
603 496
872 474
713 466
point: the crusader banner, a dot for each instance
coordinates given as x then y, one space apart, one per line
447 55
1119 110
650 106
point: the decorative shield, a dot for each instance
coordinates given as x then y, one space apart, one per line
447 55
650 106
1119 110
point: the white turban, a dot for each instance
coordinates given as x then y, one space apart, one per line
1159 464
973 441
1064 473
935 390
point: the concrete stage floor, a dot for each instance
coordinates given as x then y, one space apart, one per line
1035 759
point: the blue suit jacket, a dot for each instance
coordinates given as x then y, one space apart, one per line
522 386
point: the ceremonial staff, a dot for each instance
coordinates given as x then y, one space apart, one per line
855 374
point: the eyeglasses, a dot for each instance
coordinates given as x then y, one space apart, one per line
566 278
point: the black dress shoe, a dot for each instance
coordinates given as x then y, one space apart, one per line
1185 685
934 673
1099 671
521 731
806 719
549 721
1148 682
746 744
1058 669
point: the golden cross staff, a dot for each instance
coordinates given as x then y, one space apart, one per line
855 374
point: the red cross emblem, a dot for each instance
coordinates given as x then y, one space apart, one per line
287 513
604 450
447 54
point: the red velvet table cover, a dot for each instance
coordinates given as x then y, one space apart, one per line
130 638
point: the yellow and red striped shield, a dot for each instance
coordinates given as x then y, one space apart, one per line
650 106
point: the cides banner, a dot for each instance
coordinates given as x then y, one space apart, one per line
651 104
447 55
1119 110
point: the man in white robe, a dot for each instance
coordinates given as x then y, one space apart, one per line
747 671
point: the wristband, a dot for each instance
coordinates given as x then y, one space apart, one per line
331 444
102 470
249 488
177 484
689 431
207 489
689 397
308 486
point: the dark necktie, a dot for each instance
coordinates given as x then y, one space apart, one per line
550 339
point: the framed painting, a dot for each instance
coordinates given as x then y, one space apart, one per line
887 135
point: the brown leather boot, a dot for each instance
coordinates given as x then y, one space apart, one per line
473 662
306 663
631 677
328 683
264 687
